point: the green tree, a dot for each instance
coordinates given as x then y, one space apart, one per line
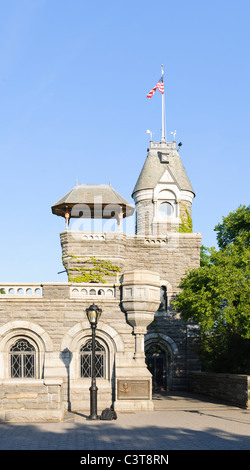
217 297
235 228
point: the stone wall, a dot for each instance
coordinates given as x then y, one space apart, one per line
52 316
233 388
171 256
32 400
57 325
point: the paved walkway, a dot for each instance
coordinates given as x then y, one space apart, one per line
179 422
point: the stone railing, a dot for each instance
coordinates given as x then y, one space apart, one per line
85 290
160 145
20 290
50 290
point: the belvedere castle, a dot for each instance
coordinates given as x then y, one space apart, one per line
142 344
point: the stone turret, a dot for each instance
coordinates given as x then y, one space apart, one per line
84 256
163 194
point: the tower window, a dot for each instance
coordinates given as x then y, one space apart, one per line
166 209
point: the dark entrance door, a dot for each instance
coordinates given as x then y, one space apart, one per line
156 363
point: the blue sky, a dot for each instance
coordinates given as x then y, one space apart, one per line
73 83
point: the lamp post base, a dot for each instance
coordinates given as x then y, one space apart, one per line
93 403
92 418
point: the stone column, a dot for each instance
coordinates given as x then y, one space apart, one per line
140 300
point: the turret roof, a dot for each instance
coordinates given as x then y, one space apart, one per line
154 168
92 195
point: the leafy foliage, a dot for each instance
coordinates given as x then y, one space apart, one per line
92 269
186 225
235 228
217 296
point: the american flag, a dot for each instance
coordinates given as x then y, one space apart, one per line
159 85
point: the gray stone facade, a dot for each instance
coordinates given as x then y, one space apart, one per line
142 342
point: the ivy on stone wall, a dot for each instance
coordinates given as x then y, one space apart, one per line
93 269
186 225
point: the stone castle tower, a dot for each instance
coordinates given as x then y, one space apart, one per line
163 194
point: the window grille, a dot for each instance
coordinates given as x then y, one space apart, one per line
86 359
22 359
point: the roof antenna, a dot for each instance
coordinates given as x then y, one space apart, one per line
174 134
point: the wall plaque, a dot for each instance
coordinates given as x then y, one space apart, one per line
133 389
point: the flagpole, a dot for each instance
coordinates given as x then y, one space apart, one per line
162 111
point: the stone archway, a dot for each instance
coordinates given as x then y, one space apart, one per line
22 328
160 351
77 394
156 360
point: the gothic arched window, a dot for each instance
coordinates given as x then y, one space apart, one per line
22 359
86 360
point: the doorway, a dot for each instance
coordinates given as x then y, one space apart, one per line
157 364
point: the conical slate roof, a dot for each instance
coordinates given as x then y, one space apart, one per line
96 197
153 169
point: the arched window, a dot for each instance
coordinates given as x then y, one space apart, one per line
22 359
166 209
86 360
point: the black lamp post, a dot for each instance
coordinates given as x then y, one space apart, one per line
93 314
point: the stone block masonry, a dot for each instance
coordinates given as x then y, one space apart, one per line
33 400
170 256
52 316
233 388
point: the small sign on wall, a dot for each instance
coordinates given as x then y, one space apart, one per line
133 389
